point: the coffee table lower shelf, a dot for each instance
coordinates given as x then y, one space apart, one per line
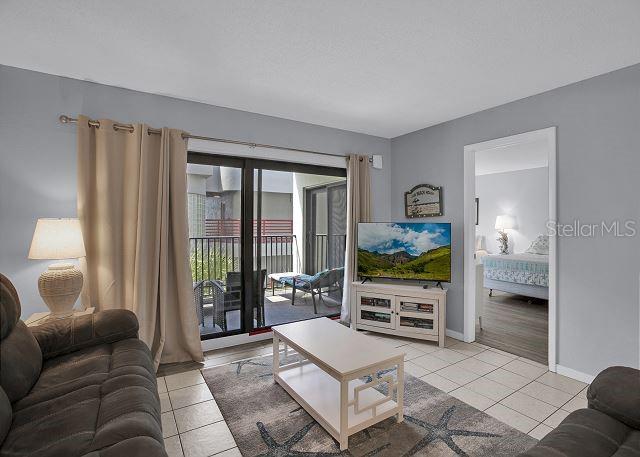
320 395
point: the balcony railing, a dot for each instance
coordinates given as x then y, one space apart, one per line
328 252
212 257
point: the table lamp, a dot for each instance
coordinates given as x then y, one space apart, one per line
60 285
503 223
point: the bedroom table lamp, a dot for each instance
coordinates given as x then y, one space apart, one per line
60 285
503 223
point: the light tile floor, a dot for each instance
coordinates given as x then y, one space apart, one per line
514 390
192 425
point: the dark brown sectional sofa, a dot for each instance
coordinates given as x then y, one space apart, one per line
81 386
609 427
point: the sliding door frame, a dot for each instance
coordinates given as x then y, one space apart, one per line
309 220
309 223
248 167
232 162
246 259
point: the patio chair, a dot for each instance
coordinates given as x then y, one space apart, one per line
331 278
201 297
227 297
198 298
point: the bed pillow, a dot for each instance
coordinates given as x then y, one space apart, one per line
539 246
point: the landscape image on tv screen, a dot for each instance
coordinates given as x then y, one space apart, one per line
405 250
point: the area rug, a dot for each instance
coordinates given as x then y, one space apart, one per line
266 421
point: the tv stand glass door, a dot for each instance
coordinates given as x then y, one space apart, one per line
377 310
417 315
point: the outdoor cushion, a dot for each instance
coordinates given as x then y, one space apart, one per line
300 279
303 280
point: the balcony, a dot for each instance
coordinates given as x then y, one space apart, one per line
215 265
293 215
212 257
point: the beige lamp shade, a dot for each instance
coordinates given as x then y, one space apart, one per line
505 221
61 284
57 239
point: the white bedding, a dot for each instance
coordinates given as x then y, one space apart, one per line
521 268
521 256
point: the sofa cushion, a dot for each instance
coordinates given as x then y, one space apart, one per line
20 356
5 414
62 336
89 401
20 362
588 433
631 446
9 307
616 392
140 446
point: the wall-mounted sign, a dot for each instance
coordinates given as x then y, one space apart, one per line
424 200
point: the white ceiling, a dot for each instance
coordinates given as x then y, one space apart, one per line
383 67
512 157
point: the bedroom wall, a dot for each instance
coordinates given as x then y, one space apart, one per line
598 128
37 153
523 194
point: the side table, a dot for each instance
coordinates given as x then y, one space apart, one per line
41 318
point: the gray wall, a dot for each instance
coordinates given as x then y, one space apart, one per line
523 194
37 154
276 205
598 124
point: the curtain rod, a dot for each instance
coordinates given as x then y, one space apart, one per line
64 119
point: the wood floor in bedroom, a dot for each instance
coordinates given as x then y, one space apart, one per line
512 324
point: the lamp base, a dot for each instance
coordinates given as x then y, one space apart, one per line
60 287
503 240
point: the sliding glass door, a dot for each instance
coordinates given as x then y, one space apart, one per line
326 226
267 242
214 192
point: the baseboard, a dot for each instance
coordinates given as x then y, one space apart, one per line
453 334
574 374
234 340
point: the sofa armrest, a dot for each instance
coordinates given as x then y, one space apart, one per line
616 392
62 336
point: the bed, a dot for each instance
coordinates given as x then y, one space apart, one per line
524 274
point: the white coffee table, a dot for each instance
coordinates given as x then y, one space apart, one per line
326 382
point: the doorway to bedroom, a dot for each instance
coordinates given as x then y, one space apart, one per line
509 289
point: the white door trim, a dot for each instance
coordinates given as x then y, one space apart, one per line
470 229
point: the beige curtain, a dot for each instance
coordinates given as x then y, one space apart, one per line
358 210
132 206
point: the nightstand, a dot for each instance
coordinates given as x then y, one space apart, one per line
41 318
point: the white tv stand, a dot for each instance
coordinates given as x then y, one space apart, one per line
404 310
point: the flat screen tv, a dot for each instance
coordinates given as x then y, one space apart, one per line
405 250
